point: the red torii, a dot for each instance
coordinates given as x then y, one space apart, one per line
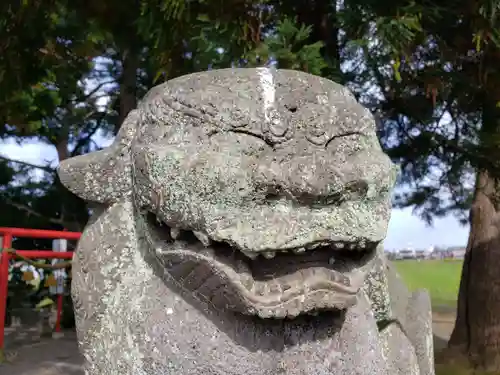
7 234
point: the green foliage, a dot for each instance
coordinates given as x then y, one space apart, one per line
440 277
34 58
287 45
44 303
434 86
196 32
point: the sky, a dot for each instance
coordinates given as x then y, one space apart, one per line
405 229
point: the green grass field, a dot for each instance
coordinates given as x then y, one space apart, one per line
440 277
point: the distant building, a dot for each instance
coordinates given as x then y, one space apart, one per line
438 254
406 254
457 253
425 253
430 253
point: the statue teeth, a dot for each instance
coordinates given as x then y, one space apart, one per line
175 233
245 274
269 254
159 251
265 313
313 246
249 254
251 311
339 245
203 238
299 250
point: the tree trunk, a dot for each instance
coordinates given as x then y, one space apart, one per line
67 212
477 327
128 85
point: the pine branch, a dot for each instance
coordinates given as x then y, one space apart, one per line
28 210
82 141
27 164
87 96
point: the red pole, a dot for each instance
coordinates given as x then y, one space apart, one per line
45 254
39 233
4 285
59 312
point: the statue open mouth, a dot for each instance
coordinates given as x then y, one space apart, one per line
271 284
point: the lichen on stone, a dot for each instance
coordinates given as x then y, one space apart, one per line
239 227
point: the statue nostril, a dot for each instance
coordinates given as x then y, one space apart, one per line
357 188
354 190
272 196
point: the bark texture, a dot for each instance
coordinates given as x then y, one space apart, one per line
128 84
477 327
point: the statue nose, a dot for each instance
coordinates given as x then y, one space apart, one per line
310 178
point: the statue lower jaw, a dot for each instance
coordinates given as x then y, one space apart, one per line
133 318
283 287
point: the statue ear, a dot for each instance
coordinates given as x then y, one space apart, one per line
103 176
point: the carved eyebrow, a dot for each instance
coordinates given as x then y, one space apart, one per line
259 136
346 134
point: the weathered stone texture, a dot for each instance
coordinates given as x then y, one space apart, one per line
237 225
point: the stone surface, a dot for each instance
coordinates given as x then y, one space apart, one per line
399 352
236 226
377 287
413 311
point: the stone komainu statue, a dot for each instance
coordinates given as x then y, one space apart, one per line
237 228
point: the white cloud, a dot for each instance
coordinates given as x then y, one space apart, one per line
406 229
32 152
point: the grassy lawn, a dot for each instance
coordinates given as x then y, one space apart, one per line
440 277
457 370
